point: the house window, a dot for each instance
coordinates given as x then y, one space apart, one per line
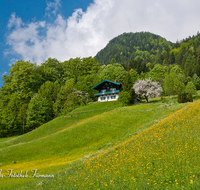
103 98
113 97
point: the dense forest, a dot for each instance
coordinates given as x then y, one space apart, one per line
143 47
141 51
33 94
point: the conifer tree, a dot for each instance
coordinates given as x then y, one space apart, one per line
198 65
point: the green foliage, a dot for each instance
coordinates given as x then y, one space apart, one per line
134 75
179 98
190 65
112 61
79 67
196 81
48 80
65 90
174 81
140 47
22 79
52 70
198 64
85 83
112 72
124 97
19 86
49 92
158 73
190 97
127 83
37 113
69 98
183 97
190 88
23 115
128 87
10 115
137 65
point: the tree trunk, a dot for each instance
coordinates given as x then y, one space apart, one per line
146 99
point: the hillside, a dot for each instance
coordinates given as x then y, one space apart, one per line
165 156
142 46
91 135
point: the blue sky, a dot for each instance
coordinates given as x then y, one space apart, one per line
63 29
30 11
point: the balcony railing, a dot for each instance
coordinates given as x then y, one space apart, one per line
105 93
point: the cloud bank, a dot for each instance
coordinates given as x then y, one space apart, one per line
83 34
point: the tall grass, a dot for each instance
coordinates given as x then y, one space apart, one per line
165 156
93 136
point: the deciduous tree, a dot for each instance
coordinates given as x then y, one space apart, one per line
147 89
124 97
37 113
196 81
190 88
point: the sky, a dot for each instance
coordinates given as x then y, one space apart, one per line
64 29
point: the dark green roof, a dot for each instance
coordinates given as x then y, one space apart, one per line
106 81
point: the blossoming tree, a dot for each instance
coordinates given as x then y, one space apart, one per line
147 88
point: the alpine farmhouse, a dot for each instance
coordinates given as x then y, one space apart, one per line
108 90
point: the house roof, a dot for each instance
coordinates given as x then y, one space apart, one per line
105 81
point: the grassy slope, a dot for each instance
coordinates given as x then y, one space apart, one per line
75 138
165 156
61 123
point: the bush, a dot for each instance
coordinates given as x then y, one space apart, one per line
124 97
179 98
185 97
190 97
190 88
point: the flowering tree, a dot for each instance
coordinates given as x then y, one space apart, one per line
147 88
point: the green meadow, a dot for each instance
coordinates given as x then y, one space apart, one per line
108 146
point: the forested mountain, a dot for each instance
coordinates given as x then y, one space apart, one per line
141 51
143 46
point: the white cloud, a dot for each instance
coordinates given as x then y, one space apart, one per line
52 7
85 33
14 22
5 73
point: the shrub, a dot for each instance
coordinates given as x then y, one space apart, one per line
190 97
124 97
179 98
184 97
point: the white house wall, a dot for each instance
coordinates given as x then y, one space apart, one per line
108 98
